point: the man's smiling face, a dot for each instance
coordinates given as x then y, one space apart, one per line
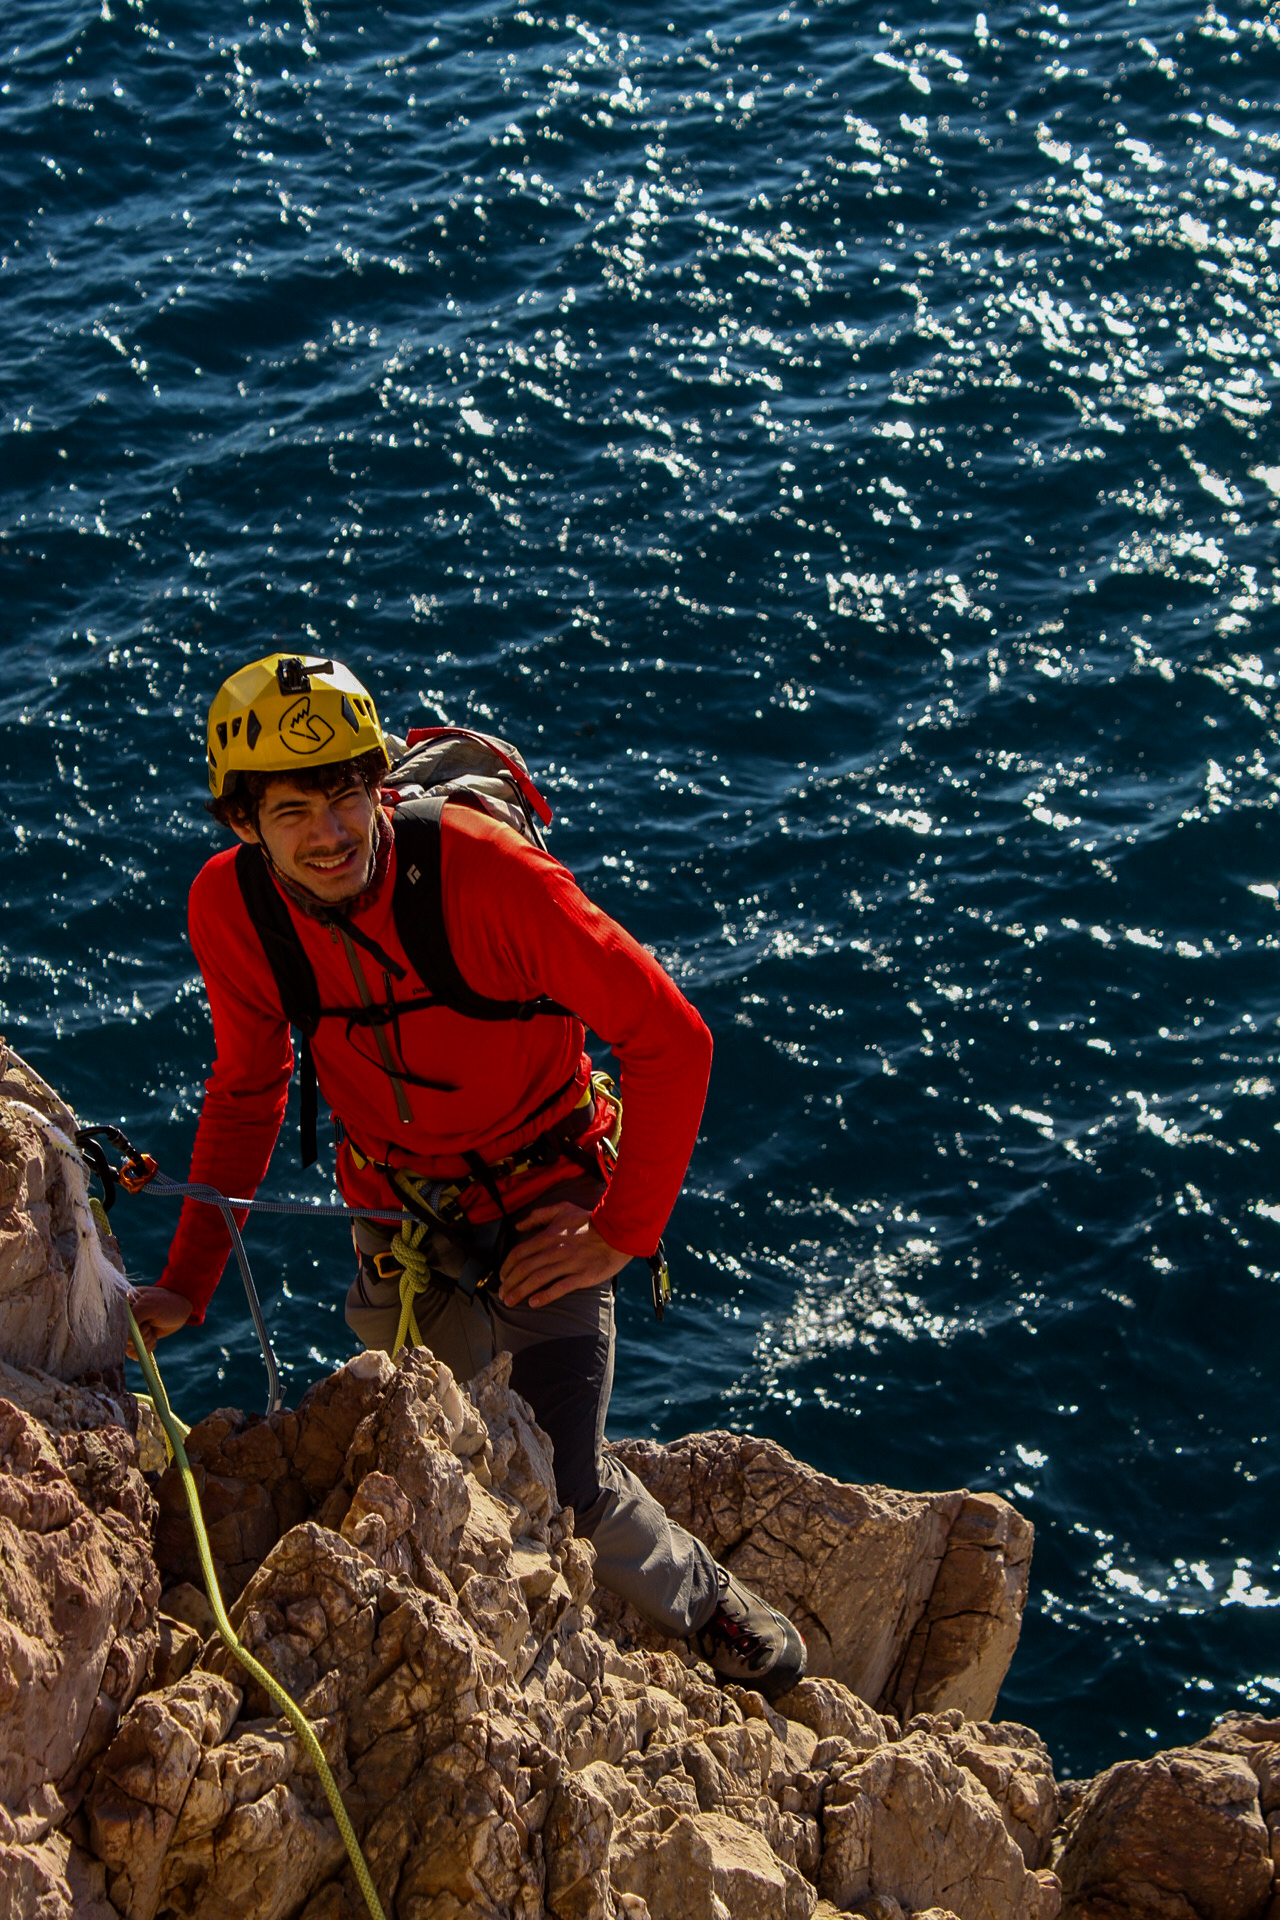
321 841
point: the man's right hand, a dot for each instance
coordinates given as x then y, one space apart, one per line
158 1312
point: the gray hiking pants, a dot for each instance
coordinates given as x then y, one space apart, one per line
562 1363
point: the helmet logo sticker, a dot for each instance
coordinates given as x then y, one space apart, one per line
303 731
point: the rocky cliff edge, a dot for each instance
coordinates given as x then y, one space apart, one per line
510 1742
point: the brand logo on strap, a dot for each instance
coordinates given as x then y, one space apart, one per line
303 731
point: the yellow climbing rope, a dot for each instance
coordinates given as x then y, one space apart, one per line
174 1432
407 1248
100 1214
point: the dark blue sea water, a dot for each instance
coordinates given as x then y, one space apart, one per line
839 445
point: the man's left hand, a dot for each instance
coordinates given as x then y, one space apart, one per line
564 1254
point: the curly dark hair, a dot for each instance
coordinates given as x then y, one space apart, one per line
238 807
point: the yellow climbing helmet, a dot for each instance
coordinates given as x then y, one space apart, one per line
287 712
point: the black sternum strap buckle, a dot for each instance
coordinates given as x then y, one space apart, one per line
660 1275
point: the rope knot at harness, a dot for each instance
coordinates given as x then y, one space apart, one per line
407 1247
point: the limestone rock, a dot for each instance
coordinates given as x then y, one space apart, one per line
509 1744
502 1752
907 1820
1180 1836
22 1083
577 1839
961 1646
1013 1764
499 1755
833 1712
249 1495
153 1448
190 1607
177 1649
520 1453
258 1475
141 1785
64 1407
405 1441
391 1634
402 1568
328 1417
434 1774
883 1906
913 1601
62 1294
707 1867
78 1593
52 1880
1257 1741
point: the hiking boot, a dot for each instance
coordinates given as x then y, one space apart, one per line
748 1642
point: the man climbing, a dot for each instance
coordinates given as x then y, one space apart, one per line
441 971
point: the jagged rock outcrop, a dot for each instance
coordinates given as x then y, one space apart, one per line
902 1818
914 1601
509 1742
78 1595
62 1294
501 1749
506 1751
50 1880
1190 1834
63 1406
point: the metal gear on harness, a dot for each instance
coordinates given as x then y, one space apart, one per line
134 1171
137 1172
660 1275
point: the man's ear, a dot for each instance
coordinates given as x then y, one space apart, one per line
248 834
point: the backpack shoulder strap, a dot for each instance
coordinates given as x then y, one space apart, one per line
293 974
286 956
418 908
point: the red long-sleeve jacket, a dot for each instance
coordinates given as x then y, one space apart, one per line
519 927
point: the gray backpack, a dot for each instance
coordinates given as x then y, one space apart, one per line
458 764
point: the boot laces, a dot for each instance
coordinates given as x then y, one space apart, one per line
735 1633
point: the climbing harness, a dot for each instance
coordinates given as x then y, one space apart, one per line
174 1434
428 1208
435 1208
